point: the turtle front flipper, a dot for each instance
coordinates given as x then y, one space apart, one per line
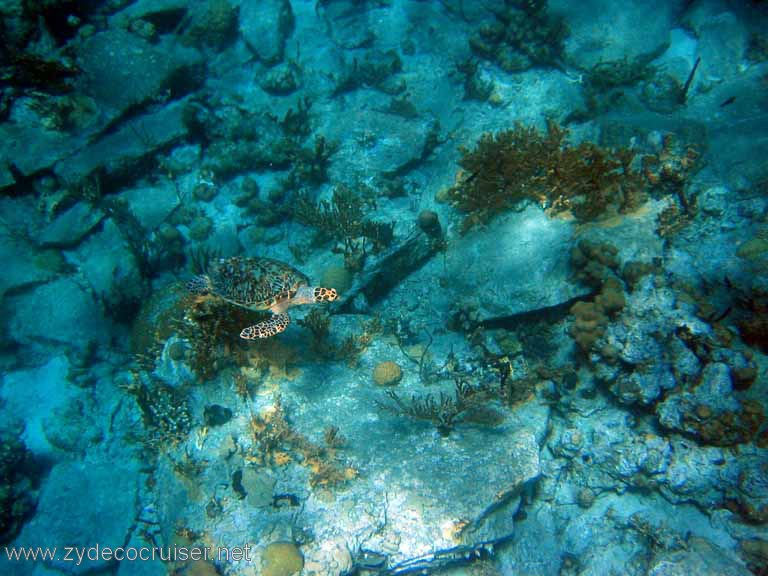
276 324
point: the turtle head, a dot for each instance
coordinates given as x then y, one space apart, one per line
320 294
314 294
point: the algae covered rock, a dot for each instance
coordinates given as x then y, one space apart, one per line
586 45
17 497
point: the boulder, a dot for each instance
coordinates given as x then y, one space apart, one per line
122 71
518 263
69 228
265 26
152 205
60 312
84 505
30 395
120 152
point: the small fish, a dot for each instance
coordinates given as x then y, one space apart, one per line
728 101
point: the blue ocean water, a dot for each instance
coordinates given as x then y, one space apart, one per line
383 287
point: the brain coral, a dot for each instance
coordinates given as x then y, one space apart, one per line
281 559
387 373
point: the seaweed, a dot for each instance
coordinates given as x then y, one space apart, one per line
295 123
402 107
310 165
475 88
32 72
375 71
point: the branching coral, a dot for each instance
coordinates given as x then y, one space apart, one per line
343 220
212 328
507 168
445 410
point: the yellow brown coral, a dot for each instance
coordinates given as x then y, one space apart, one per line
520 164
589 324
387 373
281 559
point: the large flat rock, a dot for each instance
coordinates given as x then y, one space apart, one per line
606 31
82 504
122 70
119 152
60 312
520 262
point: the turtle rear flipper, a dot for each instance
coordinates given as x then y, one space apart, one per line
276 324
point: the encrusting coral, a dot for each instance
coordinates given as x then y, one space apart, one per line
597 266
275 441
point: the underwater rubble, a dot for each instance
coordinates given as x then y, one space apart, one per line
549 245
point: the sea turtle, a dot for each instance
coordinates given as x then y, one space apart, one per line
260 284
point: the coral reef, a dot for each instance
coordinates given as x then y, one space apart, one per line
144 139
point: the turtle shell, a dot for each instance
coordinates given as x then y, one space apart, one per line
257 283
